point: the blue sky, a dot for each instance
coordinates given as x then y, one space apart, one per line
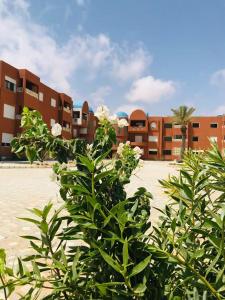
127 54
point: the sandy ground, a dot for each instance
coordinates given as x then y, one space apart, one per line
22 189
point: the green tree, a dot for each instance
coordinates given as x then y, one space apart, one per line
182 116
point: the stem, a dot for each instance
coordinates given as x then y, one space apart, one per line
4 289
202 278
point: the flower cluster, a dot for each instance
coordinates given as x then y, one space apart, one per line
102 113
56 129
122 123
123 149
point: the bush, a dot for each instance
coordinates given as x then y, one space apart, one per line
101 245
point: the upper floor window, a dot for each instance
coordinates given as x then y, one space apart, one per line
10 84
178 137
76 114
41 96
137 123
167 138
53 102
213 125
168 125
195 125
195 139
9 111
153 138
153 125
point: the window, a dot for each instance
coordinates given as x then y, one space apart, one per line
9 111
153 125
153 138
195 139
84 116
76 114
178 137
177 126
167 152
83 131
10 84
152 151
138 138
195 125
6 139
41 96
167 138
176 151
52 122
213 125
213 139
53 102
168 125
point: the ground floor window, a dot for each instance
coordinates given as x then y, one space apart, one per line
167 152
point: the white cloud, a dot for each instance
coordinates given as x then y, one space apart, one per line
220 110
218 78
128 108
98 97
131 65
148 89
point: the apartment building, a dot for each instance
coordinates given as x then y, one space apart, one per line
160 138
20 88
84 121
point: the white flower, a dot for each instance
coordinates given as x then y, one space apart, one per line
102 113
122 123
120 148
89 147
56 129
127 142
113 119
138 152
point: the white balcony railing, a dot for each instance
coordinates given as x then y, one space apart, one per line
31 93
67 109
66 129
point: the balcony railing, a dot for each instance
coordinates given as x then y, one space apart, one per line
137 128
67 109
66 129
29 92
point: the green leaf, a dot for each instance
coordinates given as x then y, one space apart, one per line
110 261
140 266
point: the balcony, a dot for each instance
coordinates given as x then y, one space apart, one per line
67 109
67 129
27 91
139 144
137 129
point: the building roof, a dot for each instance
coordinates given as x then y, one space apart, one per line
78 104
122 114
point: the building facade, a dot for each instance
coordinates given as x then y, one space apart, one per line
157 136
160 138
20 88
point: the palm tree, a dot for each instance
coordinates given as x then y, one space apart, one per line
182 116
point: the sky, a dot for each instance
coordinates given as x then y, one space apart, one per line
126 54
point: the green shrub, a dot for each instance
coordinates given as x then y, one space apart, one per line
101 245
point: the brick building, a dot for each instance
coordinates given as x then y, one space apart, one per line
19 88
160 138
